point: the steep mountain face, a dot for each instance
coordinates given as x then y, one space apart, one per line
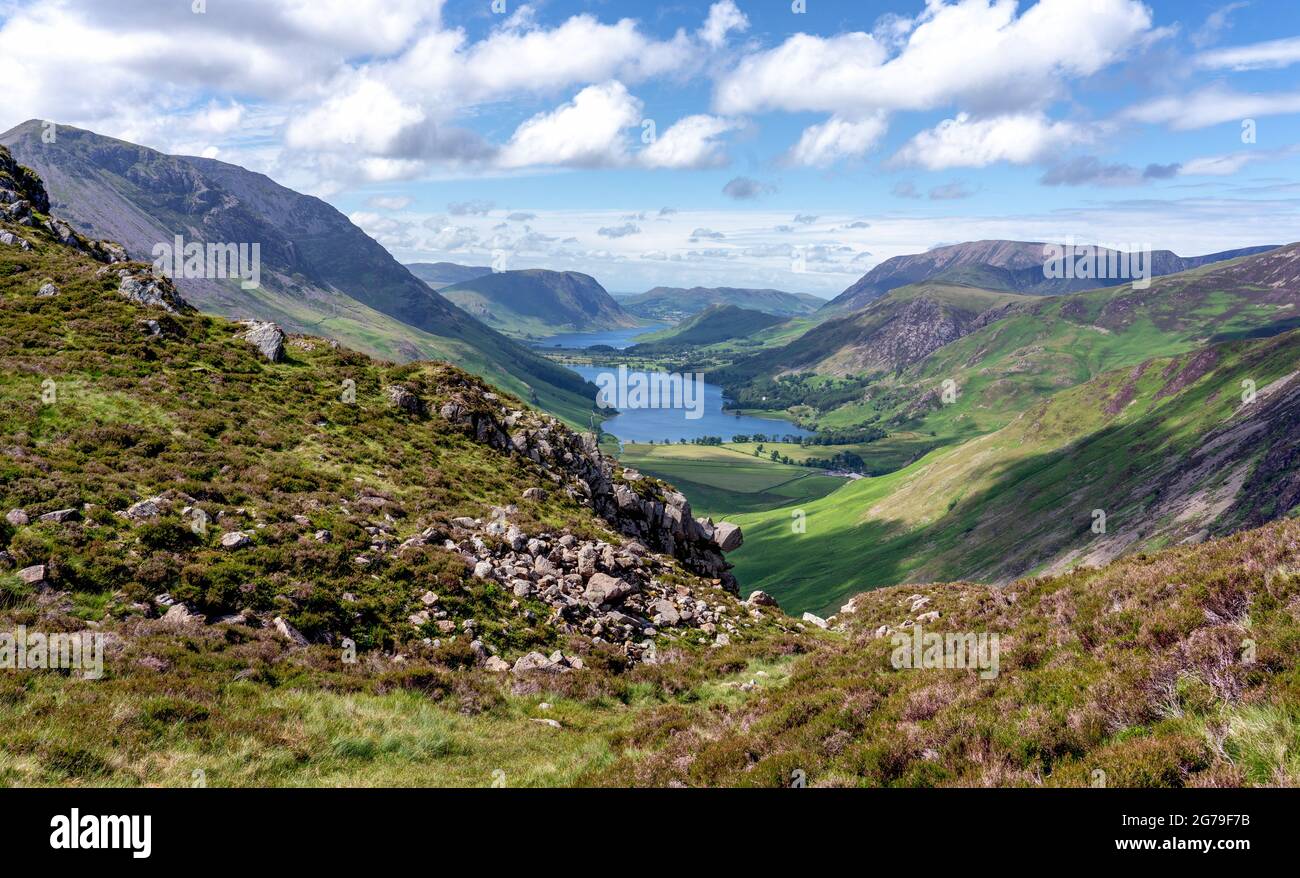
892 333
678 303
716 324
535 302
444 274
1018 354
318 271
1009 266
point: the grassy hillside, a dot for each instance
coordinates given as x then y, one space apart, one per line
320 274
1172 669
1166 449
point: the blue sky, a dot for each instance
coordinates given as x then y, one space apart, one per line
789 149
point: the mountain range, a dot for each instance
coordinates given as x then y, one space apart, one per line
1010 266
319 272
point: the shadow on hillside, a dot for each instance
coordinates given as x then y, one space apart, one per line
1037 509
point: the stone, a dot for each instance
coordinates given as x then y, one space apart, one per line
605 589
144 509
266 337
586 561
179 614
288 632
759 598
665 612
727 536
34 575
812 619
522 588
555 724
150 292
534 661
534 494
17 517
428 599
322 536
46 291
932 616
404 399
60 515
235 540
496 664
483 570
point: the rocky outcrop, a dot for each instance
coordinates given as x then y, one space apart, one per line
266 337
633 505
405 400
620 592
148 290
21 184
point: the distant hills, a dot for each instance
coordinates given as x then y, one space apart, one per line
319 272
444 274
1009 266
535 302
716 324
677 303
1006 350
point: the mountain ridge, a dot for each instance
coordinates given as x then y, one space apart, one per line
1010 266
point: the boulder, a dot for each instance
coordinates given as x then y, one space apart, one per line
534 494
59 516
665 612
812 619
762 599
235 540
605 589
497 665
145 509
47 291
17 517
34 575
149 291
179 614
405 399
727 536
288 632
534 661
266 337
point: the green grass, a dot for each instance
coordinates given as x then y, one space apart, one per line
1020 499
724 481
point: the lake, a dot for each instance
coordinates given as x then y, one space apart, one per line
671 424
615 338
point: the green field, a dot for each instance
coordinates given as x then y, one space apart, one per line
722 481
